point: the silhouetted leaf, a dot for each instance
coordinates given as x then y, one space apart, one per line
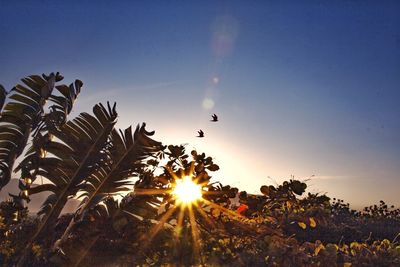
213 167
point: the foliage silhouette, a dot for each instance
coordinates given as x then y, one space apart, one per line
88 159
22 114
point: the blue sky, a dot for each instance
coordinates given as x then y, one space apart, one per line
301 89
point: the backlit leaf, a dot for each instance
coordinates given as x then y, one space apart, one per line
302 225
313 223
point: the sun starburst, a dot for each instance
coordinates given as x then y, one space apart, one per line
187 191
192 202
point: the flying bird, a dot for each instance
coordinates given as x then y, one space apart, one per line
201 133
214 118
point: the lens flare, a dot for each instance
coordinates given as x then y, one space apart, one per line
208 103
187 191
215 80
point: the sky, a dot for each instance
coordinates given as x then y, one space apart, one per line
303 89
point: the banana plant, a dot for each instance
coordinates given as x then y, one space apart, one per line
76 149
126 153
3 94
85 155
20 116
52 120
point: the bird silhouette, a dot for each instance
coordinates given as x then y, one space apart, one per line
214 118
201 133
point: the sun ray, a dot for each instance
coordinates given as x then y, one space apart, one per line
195 233
207 219
199 178
191 168
148 191
157 227
228 212
180 221
186 193
172 173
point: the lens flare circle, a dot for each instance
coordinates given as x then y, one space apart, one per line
186 191
208 103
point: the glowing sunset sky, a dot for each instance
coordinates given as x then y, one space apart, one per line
300 89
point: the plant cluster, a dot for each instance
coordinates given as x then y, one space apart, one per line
87 158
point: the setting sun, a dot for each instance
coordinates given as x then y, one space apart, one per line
187 191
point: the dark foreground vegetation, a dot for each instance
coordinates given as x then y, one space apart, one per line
86 158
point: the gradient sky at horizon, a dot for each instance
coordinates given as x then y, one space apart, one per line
301 89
